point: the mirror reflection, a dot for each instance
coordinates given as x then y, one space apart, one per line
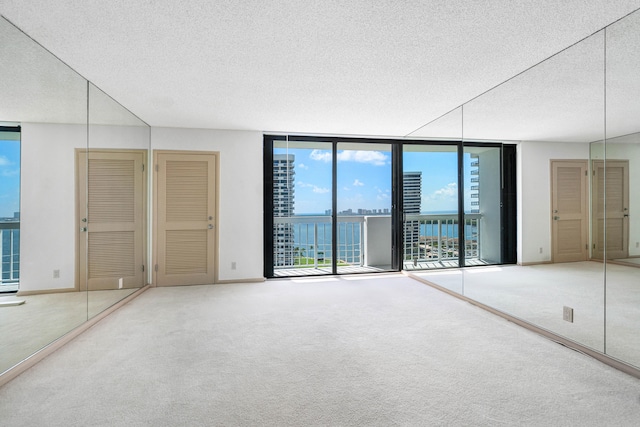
621 160
431 210
45 103
69 153
554 111
113 255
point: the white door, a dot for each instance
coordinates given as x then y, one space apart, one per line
185 218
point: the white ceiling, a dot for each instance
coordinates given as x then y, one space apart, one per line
359 67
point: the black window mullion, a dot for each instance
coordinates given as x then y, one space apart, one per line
461 219
334 208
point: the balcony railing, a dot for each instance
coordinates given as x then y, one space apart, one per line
9 253
305 241
311 243
437 237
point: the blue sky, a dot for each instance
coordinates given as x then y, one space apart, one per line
364 179
9 177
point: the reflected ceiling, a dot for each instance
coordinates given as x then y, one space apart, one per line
356 67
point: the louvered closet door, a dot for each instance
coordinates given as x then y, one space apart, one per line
185 218
611 180
112 252
569 211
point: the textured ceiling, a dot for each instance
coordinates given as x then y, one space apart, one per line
356 67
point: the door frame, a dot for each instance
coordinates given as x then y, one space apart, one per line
81 212
216 221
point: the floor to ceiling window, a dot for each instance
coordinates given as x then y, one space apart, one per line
343 205
9 208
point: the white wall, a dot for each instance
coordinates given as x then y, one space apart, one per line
47 204
241 187
534 195
377 240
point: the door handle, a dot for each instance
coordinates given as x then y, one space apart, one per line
210 226
83 229
556 218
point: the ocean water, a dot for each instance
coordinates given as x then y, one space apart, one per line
310 240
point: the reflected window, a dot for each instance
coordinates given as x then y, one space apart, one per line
10 208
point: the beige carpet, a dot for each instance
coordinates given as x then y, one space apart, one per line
349 351
26 328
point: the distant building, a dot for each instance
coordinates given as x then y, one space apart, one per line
283 206
412 201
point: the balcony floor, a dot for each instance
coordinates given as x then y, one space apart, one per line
290 272
408 265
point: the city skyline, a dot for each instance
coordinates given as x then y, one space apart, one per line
364 179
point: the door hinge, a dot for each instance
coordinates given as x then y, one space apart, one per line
157 168
586 173
143 268
586 246
156 267
143 167
594 246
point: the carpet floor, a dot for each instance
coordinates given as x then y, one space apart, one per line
351 351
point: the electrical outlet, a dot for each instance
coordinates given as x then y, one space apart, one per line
540 250
56 274
567 314
233 265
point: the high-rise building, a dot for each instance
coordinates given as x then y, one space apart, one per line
283 205
412 201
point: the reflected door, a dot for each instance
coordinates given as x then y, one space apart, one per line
611 208
112 187
185 218
569 210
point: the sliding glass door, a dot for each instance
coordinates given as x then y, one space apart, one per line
364 196
339 205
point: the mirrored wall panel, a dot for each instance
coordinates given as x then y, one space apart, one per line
114 254
43 112
553 111
431 182
620 166
73 209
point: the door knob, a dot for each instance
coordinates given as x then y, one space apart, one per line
210 226
556 218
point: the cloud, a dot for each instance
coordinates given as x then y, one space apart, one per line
316 189
4 161
447 191
382 196
375 158
303 166
324 156
358 183
10 173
